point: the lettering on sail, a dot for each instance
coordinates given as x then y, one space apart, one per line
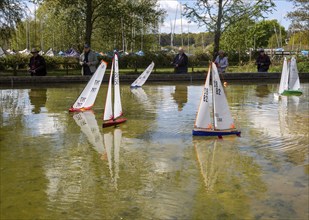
116 80
97 82
219 119
218 91
79 117
205 97
93 89
82 99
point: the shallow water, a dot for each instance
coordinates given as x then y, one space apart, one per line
58 165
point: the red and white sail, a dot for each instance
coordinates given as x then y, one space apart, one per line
108 111
143 77
117 98
88 96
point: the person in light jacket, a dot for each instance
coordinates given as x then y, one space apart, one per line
221 62
88 60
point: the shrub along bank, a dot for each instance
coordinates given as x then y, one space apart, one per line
17 63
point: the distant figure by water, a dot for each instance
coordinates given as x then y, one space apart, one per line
37 64
88 60
180 62
262 61
221 62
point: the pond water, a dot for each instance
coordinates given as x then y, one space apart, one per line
59 165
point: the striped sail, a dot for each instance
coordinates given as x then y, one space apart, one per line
222 115
284 77
294 83
108 111
88 96
143 77
203 119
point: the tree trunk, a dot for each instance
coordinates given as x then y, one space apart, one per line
218 30
88 22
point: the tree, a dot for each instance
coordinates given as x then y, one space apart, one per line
218 15
269 33
300 17
11 12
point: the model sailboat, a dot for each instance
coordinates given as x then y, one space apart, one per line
88 96
139 82
223 123
111 117
289 82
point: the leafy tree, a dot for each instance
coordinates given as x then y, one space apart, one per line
11 12
300 16
299 40
268 31
218 15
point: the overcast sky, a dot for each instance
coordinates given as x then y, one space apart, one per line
173 6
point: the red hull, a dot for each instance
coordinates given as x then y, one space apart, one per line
114 122
79 109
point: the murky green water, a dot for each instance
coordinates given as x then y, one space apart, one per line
57 165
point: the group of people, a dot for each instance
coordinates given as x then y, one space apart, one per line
88 61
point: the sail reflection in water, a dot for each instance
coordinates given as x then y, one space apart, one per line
109 148
89 126
205 154
112 145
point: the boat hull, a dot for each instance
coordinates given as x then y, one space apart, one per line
79 109
212 133
114 122
292 92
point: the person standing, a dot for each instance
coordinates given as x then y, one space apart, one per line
37 64
221 62
88 60
262 62
180 62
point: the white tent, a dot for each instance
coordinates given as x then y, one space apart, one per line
10 52
50 53
24 52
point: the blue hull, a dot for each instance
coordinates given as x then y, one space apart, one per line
135 87
215 133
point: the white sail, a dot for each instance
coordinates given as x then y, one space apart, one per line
108 111
294 83
88 96
222 115
89 126
117 100
143 77
203 119
284 77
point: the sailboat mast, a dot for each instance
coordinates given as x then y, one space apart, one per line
213 95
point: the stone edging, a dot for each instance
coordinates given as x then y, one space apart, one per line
152 78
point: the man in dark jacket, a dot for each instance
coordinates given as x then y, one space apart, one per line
181 62
262 62
37 65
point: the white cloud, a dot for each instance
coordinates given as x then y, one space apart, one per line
174 19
